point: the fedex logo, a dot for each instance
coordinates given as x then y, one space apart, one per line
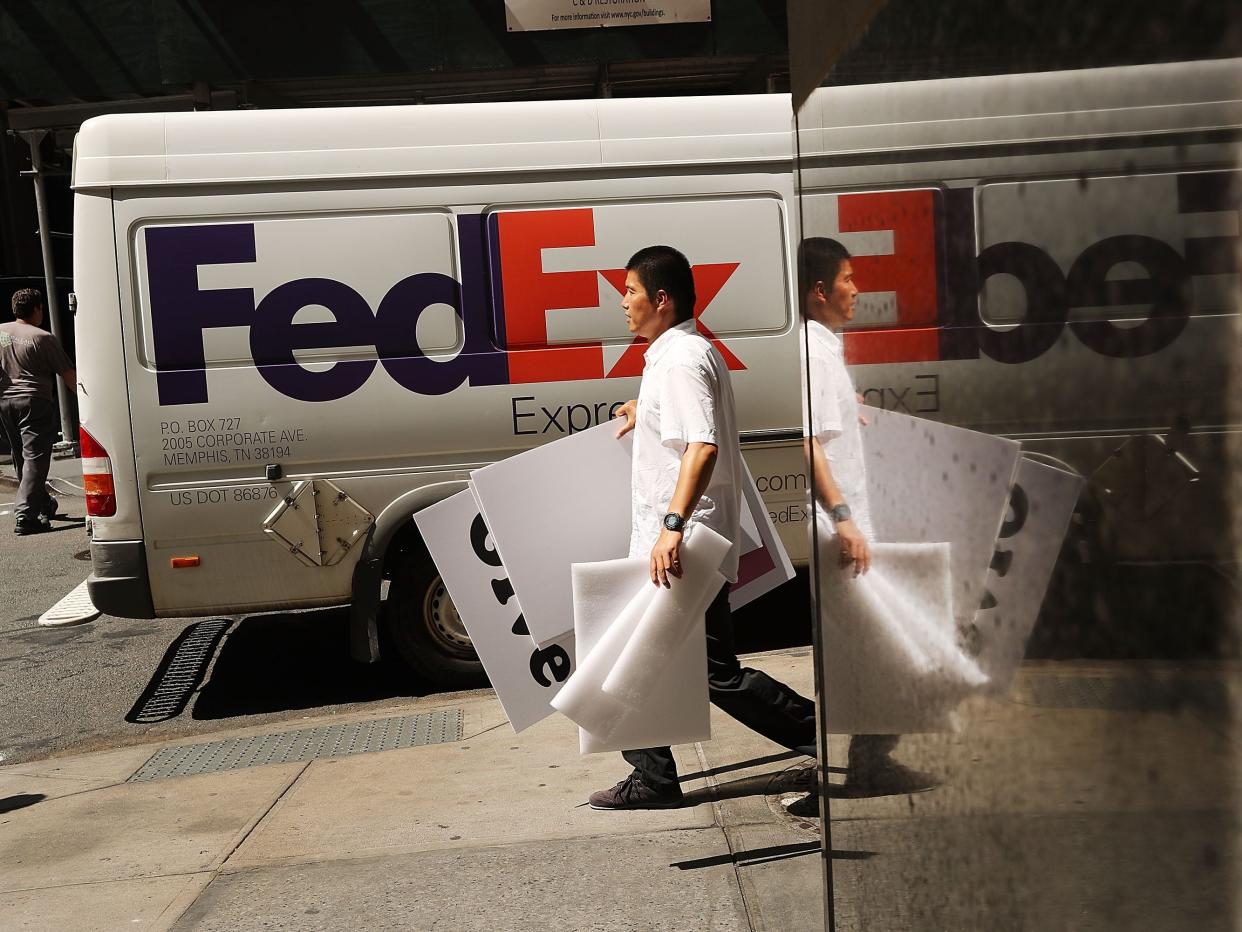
1076 251
504 290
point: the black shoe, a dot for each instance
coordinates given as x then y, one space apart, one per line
887 778
632 793
52 509
35 525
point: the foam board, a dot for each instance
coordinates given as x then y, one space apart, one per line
524 675
929 482
669 619
1040 507
617 609
764 562
892 663
562 503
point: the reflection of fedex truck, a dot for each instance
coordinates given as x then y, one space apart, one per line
359 307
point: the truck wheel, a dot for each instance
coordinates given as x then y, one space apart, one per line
425 628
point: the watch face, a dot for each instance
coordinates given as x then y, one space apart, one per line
673 522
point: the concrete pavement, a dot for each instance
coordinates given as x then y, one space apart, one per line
1054 815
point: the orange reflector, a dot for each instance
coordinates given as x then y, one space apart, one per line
180 563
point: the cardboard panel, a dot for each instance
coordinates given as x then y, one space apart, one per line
563 503
569 502
929 482
1040 507
524 675
764 563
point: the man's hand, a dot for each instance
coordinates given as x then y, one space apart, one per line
854 547
666 558
629 411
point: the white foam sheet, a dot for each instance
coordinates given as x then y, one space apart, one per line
525 676
892 664
669 619
1040 507
616 606
562 503
929 482
609 601
764 563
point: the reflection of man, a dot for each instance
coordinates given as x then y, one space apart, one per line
30 360
687 469
838 472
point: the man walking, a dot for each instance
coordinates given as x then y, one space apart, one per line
839 477
686 472
30 360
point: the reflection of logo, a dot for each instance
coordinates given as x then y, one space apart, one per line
937 277
515 299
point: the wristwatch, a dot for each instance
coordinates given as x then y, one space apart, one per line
840 513
674 521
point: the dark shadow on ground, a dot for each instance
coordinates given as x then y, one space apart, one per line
179 673
286 661
794 780
770 853
75 524
20 801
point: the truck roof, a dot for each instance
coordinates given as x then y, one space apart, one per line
257 146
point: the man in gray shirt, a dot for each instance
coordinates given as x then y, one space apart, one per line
30 360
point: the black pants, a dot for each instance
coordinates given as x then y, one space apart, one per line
753 698
31 426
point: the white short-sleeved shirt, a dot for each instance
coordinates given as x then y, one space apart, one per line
833 420
685 397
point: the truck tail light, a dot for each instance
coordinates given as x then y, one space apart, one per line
96 477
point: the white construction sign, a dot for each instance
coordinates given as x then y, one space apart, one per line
562 503
1040 507
525 675
514 537
929 483
532 15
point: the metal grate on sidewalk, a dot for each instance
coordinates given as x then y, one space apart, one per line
306 744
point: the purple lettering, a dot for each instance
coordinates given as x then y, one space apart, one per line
180 311
274 337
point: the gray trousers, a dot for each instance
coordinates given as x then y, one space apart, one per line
31 425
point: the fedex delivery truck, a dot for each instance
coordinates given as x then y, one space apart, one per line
296 329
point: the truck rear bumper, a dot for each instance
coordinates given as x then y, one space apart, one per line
119 584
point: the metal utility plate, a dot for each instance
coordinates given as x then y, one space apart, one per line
386 734
318 523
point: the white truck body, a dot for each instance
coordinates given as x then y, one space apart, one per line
387 298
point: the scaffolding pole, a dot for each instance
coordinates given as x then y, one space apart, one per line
34 138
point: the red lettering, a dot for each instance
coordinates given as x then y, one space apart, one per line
708 280
909 272
530 292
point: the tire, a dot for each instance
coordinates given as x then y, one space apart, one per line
425 629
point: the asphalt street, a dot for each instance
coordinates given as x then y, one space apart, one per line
121 681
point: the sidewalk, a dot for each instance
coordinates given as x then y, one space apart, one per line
1038 826
68 469
486 832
